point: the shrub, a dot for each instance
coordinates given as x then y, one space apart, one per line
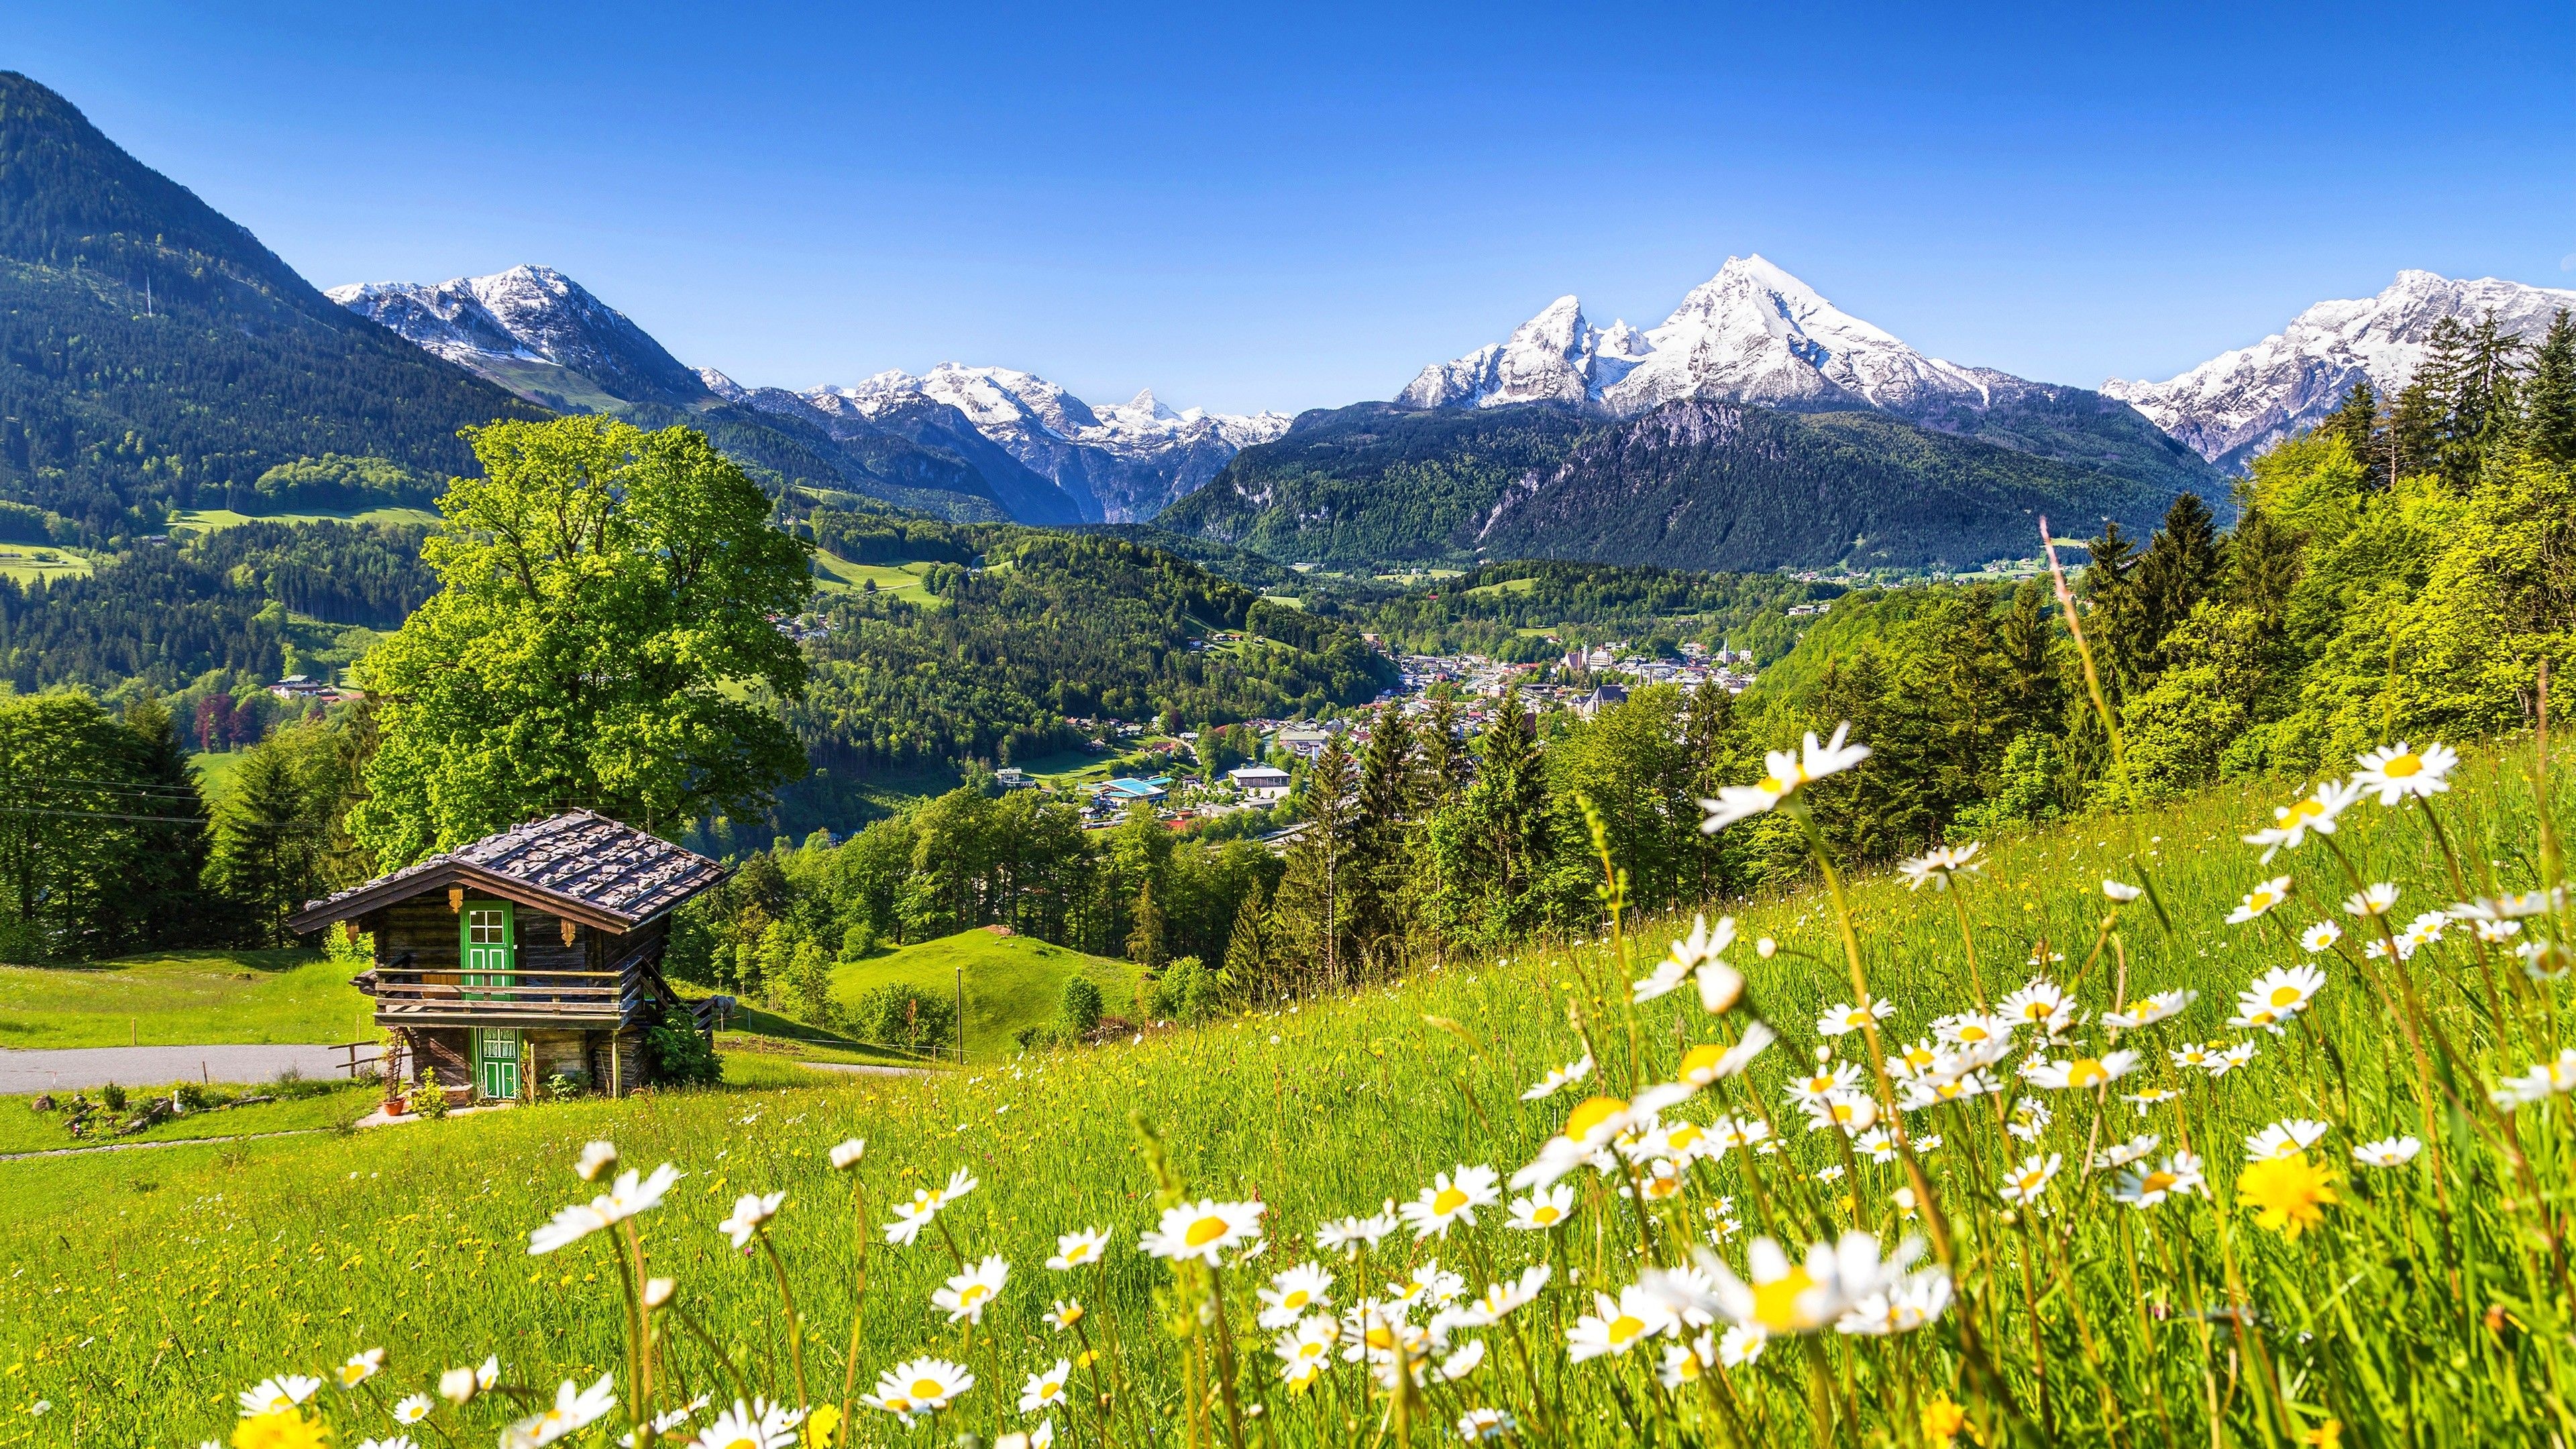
905 1016
428 1098
680 1057
113 1096
1188 991
1078 1010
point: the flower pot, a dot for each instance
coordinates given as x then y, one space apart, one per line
396 1106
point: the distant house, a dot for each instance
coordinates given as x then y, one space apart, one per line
1012 777
529 954
1306 741
1264 784
299 686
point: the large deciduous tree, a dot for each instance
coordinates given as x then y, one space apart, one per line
603 637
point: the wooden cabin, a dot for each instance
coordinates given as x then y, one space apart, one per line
526 955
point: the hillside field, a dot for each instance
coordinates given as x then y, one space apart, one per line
261 1257
1011 982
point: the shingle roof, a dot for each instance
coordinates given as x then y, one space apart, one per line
581 860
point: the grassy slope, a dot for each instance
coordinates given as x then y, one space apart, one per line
186 518
183 998
1319 1111
1011 982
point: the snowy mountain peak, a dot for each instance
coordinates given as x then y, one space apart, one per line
2232 406
723 386
1752 333
499 324
1123 462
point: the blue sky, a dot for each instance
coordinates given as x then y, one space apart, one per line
1298 206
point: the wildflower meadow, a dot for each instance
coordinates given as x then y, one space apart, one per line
2235 1122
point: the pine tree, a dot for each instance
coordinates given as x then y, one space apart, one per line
1384 810
2355 420
262 859
160 892
1145 937
2115 619
2032 688
1247 954
2415 426
1446 769
1332 811
2487 405
2179 569
2550 420
2263 565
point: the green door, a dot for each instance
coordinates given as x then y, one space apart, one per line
496 1051
488 947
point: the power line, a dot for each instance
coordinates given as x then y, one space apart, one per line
102 815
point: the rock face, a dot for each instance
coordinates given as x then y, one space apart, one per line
1121 462
2232 406
502 324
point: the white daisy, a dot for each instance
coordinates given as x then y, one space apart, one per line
2399 772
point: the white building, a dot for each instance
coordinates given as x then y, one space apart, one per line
1260 784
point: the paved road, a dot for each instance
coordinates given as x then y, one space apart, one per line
62 1070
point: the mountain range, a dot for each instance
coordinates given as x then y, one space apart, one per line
2237 403
153 354
1025 445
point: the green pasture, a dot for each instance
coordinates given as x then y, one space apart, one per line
32 563
211 518
836 575
183 998
1011 982
140 1292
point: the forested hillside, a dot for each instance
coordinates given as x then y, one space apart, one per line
153 354
1694 484
242 599
990 663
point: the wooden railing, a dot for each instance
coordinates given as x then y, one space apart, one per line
616 994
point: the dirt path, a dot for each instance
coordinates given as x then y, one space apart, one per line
69 1068
166 1142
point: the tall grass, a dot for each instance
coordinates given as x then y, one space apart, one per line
2423 1303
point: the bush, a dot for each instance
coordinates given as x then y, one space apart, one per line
1188 991
428 1098
1078 1010
904 1016
678 1056
114 1096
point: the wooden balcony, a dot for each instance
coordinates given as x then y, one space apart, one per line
443 996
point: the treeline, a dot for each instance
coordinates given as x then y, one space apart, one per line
164 615
107 845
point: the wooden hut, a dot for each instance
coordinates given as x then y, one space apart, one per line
526 955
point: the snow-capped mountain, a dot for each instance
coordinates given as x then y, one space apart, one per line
1122 462
519 326
1753 333
538 333
2231 406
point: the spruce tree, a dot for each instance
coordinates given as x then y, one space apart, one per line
2355 420
2032 688
263 859
1318 861
2263 565
1445 765
2115 619
1384 810
1247 954
2550 417
1145 938
2179 569
160 894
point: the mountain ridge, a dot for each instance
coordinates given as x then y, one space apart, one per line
2244 399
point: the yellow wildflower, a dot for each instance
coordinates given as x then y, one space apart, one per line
1944 1420
283 1429
2291 1191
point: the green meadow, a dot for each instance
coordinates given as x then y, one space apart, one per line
138 1296
183 998
1010 982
